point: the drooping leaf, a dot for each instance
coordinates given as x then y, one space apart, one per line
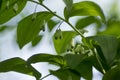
51 24
68 4
8 8
62 44
14 64
55 59
84 22
30 26
36 40
108 45
73 60
85 8
66 74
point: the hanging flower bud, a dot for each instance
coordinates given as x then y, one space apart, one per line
7 4
58 34
15 7
78 49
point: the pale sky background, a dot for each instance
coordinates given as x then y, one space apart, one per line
9 49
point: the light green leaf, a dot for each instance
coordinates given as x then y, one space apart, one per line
112 28
85 8
73 60
30 26
54 59
8 7
66 74
84 22
61 45
68 4
51 24
36 40
14 64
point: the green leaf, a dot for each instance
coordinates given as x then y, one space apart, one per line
61 45
112 28
84 22
73 60
51 24
36 40
0 4
113 74
85 69
7 9
55 59
108 45
66 74
41 1
85 8
3 28
30 26
68 4
14 64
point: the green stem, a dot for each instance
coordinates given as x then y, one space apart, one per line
60 18
45 76
98 61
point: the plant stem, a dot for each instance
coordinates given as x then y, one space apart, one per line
98 61
60 18
45 76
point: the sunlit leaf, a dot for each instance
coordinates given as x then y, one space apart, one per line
68 4
66 74
85 8
7 9
62 44
55 59
112 28
36 40
84 22
14 64
51 24
30 26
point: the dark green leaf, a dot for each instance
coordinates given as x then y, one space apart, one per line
85 8
108 45
84 22
85 69
55 59
8 8
14 64
73 60
0 4
3 28
30 26
113 74
41 1
66 74
36 40
51 24
62 44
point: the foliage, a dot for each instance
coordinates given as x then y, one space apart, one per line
75 59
